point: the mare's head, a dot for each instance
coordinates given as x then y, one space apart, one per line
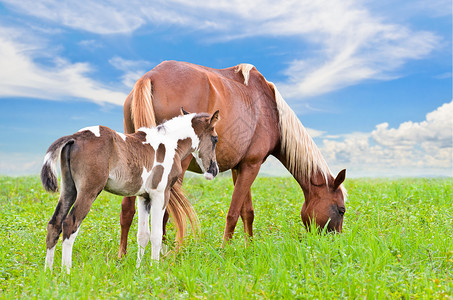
204 127
324 201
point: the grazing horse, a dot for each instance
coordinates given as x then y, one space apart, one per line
256 122
145 164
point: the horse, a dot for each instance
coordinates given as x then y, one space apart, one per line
146 164
256 122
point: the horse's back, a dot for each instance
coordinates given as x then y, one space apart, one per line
247 107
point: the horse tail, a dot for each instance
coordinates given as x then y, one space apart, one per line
181 210
49 168
142 111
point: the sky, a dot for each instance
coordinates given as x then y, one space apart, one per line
370 80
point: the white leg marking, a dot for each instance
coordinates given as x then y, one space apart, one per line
49 258
143 229
157 216
67 251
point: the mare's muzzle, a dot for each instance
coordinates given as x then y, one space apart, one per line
212 171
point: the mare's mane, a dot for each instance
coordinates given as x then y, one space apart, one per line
300 152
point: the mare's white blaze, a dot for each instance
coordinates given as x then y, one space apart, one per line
143 229
96 130
49 258
67 251
122 135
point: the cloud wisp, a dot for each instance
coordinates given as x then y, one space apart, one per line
22 76
348 43
411 149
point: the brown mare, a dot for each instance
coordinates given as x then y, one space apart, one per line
145 164
256 122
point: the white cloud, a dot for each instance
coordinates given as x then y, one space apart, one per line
16 164
348 42
103 17
133 69
21 76
414 148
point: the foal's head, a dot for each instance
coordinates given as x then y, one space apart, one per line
204 127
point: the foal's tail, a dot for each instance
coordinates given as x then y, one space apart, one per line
142 115
49 168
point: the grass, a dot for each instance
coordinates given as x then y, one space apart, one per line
397 243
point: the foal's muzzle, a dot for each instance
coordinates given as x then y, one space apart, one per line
213 170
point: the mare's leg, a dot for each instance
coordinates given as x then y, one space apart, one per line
143 206
67 197
247 213
246 174
126 217
157 215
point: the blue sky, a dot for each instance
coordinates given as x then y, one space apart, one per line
371 80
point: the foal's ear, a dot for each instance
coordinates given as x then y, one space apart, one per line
214 119
340 178
183 112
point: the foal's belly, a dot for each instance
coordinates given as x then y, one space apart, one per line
122 188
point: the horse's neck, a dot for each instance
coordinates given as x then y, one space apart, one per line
304 179
184 147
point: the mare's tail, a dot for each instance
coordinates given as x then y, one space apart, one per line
142 115
142 111
49 168
181 210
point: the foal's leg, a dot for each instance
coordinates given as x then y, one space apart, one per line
157 215
143 206
67 197
126 217
246 175
71 223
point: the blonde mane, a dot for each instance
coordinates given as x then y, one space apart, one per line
245 70
302 155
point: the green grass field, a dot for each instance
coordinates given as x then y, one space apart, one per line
397 243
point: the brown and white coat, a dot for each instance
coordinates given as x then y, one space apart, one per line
144 164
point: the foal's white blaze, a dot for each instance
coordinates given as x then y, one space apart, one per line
67 251
49 258
96 130
206 175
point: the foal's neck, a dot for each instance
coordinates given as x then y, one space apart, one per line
176 133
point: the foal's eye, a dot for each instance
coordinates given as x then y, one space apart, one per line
341 211
214 139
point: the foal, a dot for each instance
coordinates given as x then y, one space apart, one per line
144 164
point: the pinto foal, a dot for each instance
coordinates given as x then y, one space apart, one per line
144 164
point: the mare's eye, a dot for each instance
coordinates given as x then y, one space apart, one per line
214 139
341 211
